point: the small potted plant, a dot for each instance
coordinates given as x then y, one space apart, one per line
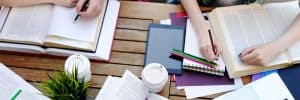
64 86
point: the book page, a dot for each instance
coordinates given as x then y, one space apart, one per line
248 26
132 88
258 90
283 15
80 35
4 11
62 25
27 24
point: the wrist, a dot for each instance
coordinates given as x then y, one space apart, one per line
280 45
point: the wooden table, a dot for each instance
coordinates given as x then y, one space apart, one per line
128 51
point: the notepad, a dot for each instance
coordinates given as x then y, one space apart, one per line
192 47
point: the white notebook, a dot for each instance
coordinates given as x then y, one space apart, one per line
270 87
192 47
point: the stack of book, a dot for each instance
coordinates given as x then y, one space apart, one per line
49 30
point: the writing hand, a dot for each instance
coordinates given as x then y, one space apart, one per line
94 8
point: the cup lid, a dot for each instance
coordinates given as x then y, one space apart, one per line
155 73
79 61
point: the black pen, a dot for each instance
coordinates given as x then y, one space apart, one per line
84 7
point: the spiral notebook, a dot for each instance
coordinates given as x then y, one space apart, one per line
192 47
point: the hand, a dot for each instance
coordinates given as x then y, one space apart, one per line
260 54
66 3
205 46
94 8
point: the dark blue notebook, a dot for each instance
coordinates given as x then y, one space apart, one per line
291 78
161 40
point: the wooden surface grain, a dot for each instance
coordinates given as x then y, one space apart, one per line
127 54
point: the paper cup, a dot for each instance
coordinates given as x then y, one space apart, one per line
83 66
155 76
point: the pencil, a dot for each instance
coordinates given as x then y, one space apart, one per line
194 58
212 42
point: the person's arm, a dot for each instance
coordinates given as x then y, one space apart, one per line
263 54
201 27
21 3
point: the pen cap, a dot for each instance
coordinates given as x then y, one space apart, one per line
154 76
82 64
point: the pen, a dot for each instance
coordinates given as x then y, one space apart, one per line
212 42
84 7
16 95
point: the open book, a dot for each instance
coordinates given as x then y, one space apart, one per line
239 27
129 87
49 29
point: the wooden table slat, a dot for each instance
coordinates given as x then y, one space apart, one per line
131 35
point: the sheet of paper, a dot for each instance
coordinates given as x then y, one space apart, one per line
110 86
200 91
132 88
10 82
261 89
62 25
27 23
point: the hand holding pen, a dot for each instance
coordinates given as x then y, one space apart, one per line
88 8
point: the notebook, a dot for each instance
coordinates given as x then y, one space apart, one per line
192 47
239 27
54 32
161 40
290 76
193 78
270 87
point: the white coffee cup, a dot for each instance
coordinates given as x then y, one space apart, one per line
155 76
83 66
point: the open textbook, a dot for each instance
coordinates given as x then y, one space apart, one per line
239 27
11 83
49 29
129 87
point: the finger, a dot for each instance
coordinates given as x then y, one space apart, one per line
247 58
254 61
217 49
246 51
86 14
203 52
73 4
79 5
211 55
74 1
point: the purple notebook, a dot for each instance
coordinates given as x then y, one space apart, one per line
175 20
192 78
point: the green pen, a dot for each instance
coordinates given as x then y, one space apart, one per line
16 95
